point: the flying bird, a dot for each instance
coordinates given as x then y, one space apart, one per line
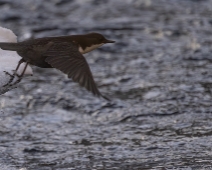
64 53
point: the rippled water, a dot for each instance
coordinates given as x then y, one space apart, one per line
158 75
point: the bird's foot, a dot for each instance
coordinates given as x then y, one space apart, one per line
12 76
7 73
17 81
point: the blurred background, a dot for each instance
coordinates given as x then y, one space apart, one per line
158 75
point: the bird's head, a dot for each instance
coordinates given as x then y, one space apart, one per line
98 38
91 41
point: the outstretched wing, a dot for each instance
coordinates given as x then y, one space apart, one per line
66 58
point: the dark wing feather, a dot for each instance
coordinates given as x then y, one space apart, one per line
66 58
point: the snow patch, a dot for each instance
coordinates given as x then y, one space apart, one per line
9 60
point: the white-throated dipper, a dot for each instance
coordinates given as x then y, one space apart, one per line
63 53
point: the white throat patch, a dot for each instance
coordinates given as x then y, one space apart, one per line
88 49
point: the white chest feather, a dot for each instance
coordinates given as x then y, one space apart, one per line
88 49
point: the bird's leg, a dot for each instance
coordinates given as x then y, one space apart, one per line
12 76
20 76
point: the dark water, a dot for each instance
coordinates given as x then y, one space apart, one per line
158 75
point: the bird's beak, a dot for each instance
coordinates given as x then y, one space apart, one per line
109 41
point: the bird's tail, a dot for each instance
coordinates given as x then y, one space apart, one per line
9 46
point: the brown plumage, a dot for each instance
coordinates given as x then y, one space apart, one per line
63 53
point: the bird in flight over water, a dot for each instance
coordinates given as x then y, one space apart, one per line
64 53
